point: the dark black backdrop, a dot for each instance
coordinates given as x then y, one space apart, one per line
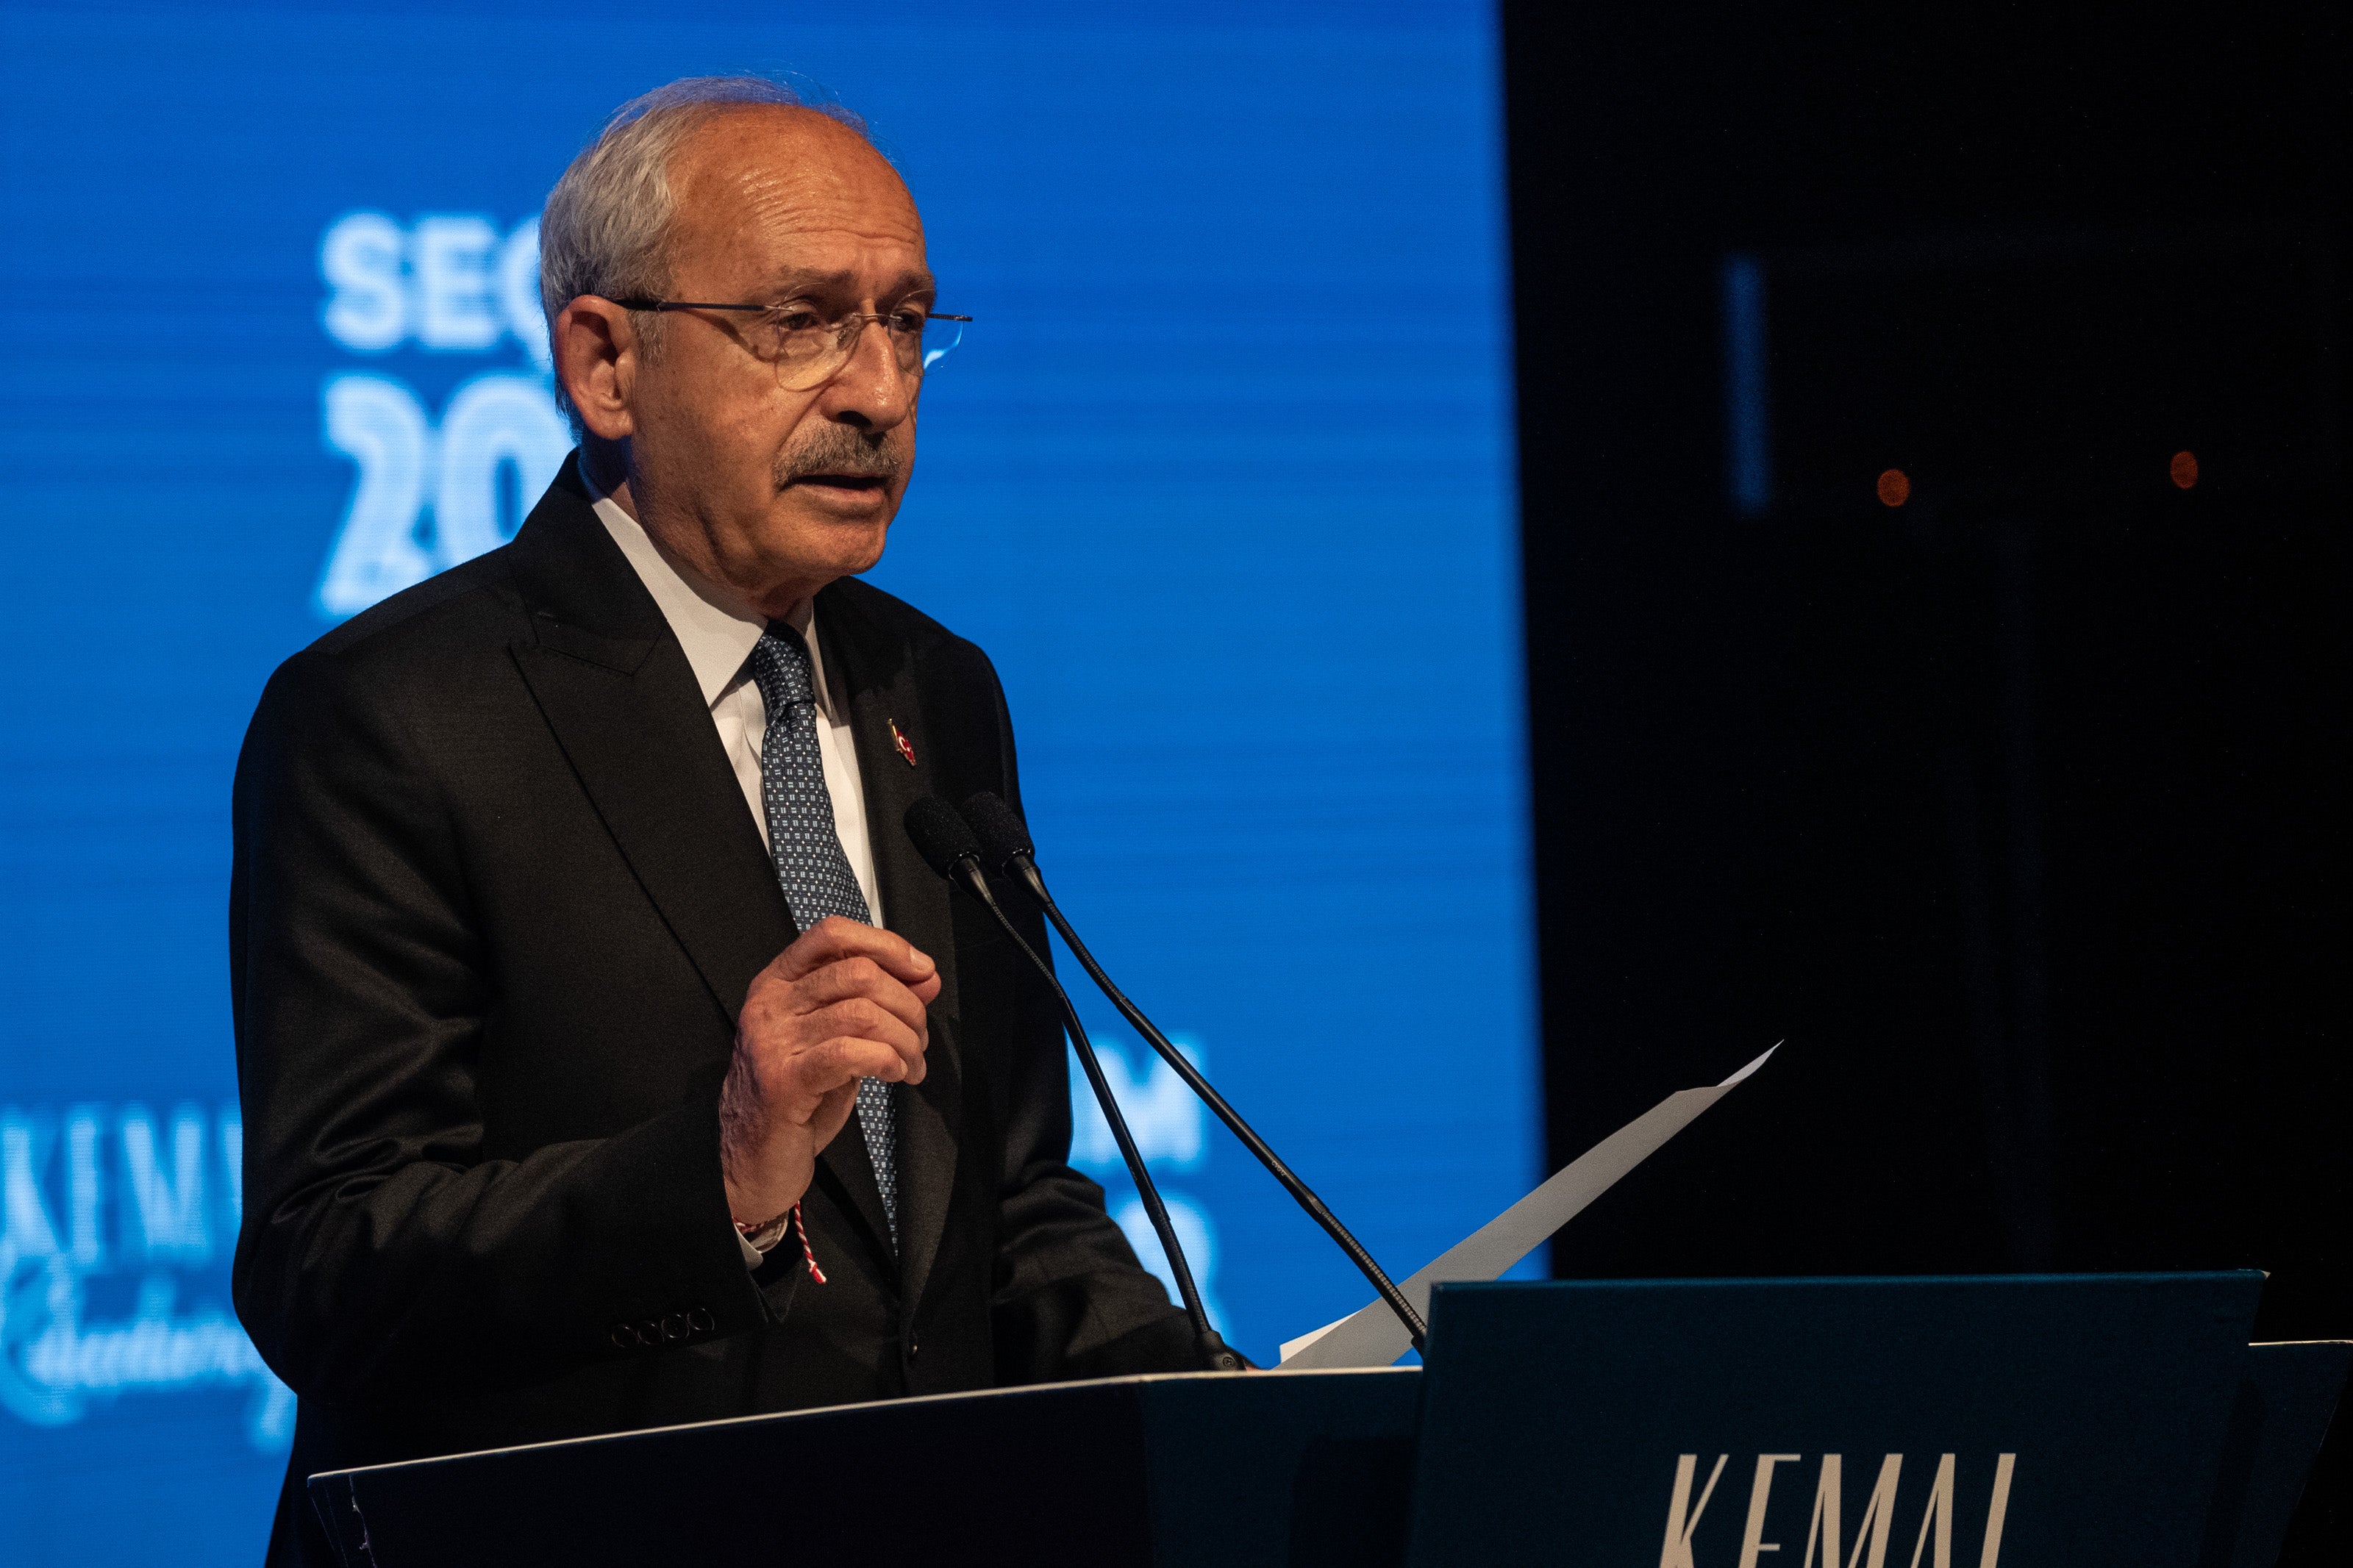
2019 809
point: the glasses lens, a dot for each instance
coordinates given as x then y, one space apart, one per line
806 352
939 338
804 348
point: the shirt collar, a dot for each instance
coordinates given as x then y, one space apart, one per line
715 625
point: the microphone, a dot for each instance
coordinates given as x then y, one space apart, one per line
947 845
1006 850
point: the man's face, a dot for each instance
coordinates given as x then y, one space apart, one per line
771 491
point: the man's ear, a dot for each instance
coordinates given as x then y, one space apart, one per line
598 352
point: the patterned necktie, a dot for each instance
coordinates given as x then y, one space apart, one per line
810 863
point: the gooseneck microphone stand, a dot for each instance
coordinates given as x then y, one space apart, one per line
948 846
1009 851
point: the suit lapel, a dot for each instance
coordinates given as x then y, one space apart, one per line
874 674
615 687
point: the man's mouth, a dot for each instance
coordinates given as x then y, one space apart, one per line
858 482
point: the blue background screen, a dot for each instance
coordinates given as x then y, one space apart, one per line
1221 479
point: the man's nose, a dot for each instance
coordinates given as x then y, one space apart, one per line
871 389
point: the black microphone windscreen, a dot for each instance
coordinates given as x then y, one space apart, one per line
939 834
1003 834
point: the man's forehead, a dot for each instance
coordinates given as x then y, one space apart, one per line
784 155
770 189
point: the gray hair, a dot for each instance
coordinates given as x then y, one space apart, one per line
605 227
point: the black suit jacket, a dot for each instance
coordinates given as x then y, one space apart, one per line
496 901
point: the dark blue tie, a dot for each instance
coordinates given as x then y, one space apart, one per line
806 847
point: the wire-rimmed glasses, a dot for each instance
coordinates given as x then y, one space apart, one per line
808 349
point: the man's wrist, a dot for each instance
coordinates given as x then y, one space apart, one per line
763 1236
758 1240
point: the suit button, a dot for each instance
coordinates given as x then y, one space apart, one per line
623 1337
701 1321
914 1348
649 1332
674 1326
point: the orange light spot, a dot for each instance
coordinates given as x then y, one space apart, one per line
2183 469
1894 488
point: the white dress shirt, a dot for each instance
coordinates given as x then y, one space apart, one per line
718 631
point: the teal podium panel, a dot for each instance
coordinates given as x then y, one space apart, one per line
2287 1393
1789 1424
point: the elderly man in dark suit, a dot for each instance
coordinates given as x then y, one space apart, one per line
608 1056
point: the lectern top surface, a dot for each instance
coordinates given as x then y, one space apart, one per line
1027 1391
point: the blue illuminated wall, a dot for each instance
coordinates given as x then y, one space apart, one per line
1221 479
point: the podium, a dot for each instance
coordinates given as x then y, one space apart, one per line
1222 1469
1974 1422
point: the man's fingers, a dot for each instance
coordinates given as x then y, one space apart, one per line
834 938
862 977
827 1065
859 1018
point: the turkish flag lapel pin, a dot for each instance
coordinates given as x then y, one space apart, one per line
899 743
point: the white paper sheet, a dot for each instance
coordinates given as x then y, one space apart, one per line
1373 1336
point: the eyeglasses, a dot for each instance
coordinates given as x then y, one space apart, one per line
808 350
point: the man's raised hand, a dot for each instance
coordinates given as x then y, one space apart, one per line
844 1002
